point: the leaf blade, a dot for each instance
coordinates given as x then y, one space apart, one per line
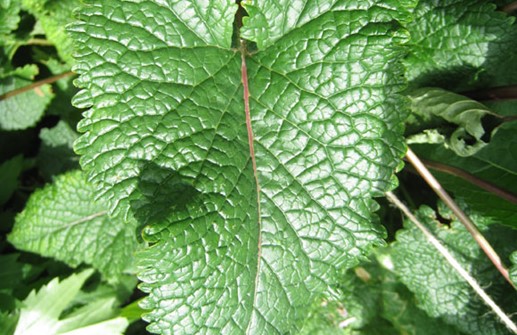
442 292
62 222
179 160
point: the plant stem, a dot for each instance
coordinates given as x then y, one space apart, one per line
24 89
510 7
454 263
494 93
246 97
462 217
510 197
39 41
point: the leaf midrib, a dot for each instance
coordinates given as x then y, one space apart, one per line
246 97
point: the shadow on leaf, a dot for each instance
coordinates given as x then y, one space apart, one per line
161 193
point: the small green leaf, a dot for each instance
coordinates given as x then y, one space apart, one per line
513 269
133 311
9 20
8 322
11 271
432 107
53 16
26 109
42 311
325 318
9 17
440 291
62 221
399 305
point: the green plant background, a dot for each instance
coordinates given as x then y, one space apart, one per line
130 203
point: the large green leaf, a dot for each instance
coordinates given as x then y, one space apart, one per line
239 248
440 291
500 67
451 39
62 221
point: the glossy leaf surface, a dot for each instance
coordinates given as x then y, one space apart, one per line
238 248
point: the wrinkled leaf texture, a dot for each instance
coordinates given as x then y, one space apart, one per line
439 290
62 221
235 250
452 39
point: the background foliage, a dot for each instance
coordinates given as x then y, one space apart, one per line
166 197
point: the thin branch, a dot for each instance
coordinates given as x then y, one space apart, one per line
36 84
510 7
489 187
494 93
39 41
455 264
462 217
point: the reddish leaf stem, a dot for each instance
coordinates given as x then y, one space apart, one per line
462 217
510 7
454 263
246 96
24 89
494 93
510 197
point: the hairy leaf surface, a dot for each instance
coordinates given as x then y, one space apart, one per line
62 221
249 221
